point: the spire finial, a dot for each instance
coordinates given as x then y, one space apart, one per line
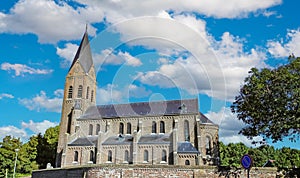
86 27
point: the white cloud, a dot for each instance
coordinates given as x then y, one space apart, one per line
38 127
5 95
67 54
138 91
281 49
42 102
50 20
107 56
13 131
117 11
109 94
22 133
217 71
229 127
22 69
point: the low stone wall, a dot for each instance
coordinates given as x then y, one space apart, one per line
128 171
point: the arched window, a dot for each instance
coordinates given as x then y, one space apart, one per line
164 156
75 156
186 131
70 93
208 145
187 162
92 156
121 128
146 156
92 96
87 92
109 156
90 129
126 156
162 127
153 127
97 129
79 93
128 128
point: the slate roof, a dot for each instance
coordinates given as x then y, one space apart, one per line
157 108
118 140
83 54
186 147
155 139
84 141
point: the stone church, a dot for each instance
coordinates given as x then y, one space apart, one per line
155 133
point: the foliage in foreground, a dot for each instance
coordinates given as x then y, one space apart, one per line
231 154
34 154
269 102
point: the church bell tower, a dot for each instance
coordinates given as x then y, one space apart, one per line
79 94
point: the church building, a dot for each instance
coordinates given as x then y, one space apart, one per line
155 133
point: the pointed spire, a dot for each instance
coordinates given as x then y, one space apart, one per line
83 54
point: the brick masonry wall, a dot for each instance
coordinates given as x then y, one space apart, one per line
121 171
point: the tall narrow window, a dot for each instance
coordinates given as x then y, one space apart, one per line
128 128
146 156
79 93
208 145
162 127
186 131
164 156
70 93
109 156
69 122
121 128
126 156
92 96
90 129
97 129
87 92
75 156
153 127
92 156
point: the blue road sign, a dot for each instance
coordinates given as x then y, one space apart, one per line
246 161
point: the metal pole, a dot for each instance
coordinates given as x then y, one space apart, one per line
15 162
248 173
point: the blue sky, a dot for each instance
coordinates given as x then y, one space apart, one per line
146 51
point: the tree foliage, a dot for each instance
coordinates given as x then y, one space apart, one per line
268 102
231 154
34 154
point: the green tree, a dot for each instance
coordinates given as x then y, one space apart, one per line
268 102
46 147
8 154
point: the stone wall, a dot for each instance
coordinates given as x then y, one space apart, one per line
141 171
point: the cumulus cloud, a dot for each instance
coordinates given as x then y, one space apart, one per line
283 48
108 56
38 127
67 54
109 94
42 102
138 91
13 131
50 20
22 69
6 95
215 68
229 127
53 21
22 133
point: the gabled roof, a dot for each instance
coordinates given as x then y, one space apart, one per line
83 54
84 141
157 108
186 147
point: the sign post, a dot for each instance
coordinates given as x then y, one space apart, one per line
246 162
